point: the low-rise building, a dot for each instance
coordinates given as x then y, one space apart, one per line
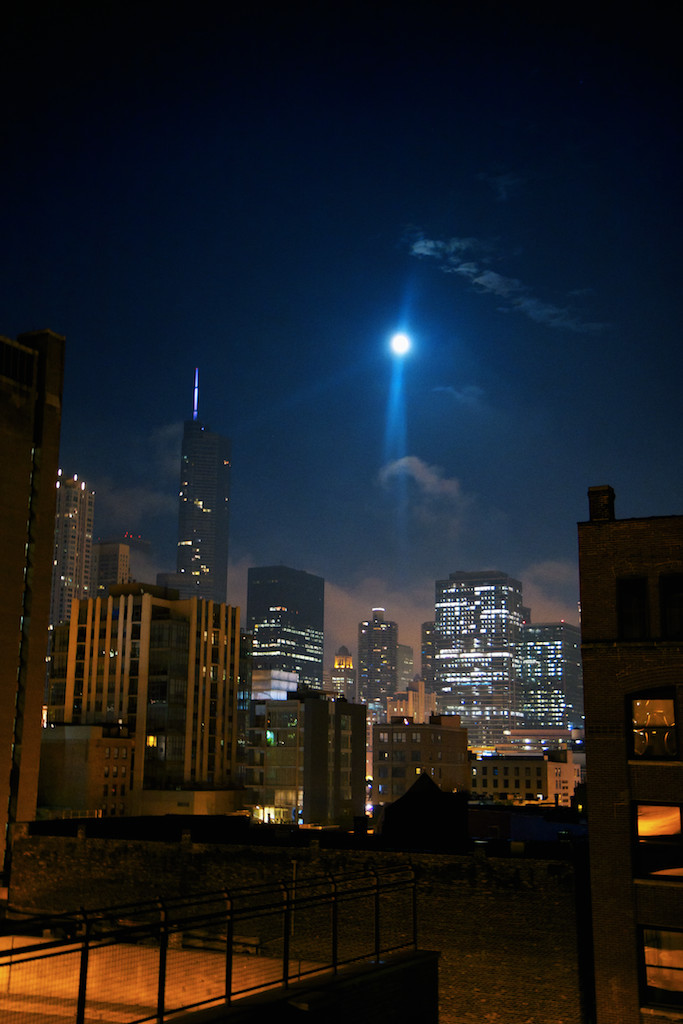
527 778
85 770
403 749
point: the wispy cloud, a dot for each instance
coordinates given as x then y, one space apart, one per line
455 256
430 480
550 590
504 185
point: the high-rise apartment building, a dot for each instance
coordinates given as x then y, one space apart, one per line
479 616
552 686
164 667
203 512
31 376
377 659
286 615
631 574
72 565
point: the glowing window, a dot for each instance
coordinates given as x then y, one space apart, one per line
654 728
663 958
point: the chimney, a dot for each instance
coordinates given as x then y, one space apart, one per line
601 504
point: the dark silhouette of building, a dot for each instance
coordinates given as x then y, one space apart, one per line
631 574
31 377
377 660
203 512
431 643
286 616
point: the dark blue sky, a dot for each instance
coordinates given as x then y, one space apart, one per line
269 193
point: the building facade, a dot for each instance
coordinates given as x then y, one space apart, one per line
479 616
377 660
343 675
72 566
31 379
415 702
286 618
86 770
110 566
549 778
402 750
163 667
552 683
306 759
631 576
203 512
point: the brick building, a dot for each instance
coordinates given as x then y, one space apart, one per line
403 749
551 777
632 642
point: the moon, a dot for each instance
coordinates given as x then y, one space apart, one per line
400 344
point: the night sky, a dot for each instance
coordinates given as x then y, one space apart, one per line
269 193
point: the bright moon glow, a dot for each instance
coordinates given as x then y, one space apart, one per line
400 344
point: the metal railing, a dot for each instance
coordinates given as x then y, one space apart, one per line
147 961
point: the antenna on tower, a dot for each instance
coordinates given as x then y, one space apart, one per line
195 395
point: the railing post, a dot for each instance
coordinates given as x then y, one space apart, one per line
414 885
377 907
286 927
335 924
83 973
163 949
229 944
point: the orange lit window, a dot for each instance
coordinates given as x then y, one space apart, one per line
654 728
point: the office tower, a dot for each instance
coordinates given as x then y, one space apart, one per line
31 376
71 572
164 667
285 615
479 615
203 512
343 676
631 577
306 757
405 666
431 645
110 565
377 654
551 682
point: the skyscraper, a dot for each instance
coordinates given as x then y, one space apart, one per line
203 511
479 615
72 564
377 657
110 565
285 615
551 691
31 375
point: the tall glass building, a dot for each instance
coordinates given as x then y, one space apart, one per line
552 682
479 616
285 615
377 660
72 568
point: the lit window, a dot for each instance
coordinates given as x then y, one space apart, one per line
663 959
654 728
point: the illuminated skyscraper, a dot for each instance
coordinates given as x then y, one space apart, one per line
285 615
479 616
377 656
552 689
31 374
203 512
71 572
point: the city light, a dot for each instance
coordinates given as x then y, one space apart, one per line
400 344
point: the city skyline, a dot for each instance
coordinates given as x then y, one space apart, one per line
271 197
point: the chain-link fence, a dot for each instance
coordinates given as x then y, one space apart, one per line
144 962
